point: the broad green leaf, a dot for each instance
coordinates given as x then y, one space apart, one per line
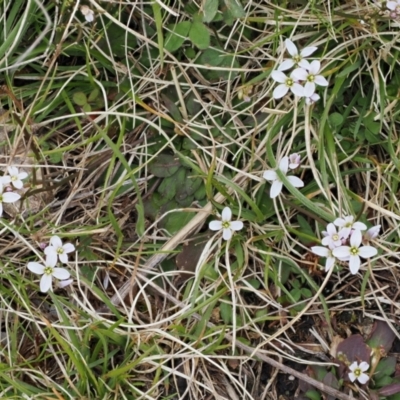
210 9
94 94
226 311
235 7
79 98
164 165
199 35
177 35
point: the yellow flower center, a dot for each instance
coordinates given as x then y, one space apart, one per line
310 78
60 250
357 372
354 251
289 82
297 58
335 237
226 224
48 270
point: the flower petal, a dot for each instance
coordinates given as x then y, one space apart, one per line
307 51
341 251
352 376
13 171
45 283
63 258
391 5
51 256
276 188
309 89
270 175
314 67
320 80
215 225
339 222
360 226
22 175
284 164
226 214
68 248
61 273
295 181
36 268
10 197
6 179
363 379
278 76
55 241
236 225
280 91
364 366
297 89
227 234
354 264
299 74
320 251
356 238
63 284
291 48
285 65
368 251
330 262
1 209
18 184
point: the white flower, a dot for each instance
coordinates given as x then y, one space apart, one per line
325 252
332 237
297 59
372 233
357 372
312 99
7 197
48 271
14 177
394 6
353 252
277 184
286 83
294 160
347 225
88 13
57 249
310 76
226 224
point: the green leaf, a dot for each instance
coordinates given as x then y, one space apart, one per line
79 98
210 9
235 8
122 41
226 312
199 35
177 35
336 119
94 94
164 165
140 222
211 57
175 221
313 394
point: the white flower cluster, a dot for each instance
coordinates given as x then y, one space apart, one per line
345 244
303 79
56 250
357 371
9 182
286 163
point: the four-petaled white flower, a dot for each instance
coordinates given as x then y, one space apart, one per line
357 371
297 59
325 252
7 197
294 160
372 233
48 271
226 224
57 249
347 224
88 13
353 252
312 99
277 184
332 238
286 83
15 177
310 76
